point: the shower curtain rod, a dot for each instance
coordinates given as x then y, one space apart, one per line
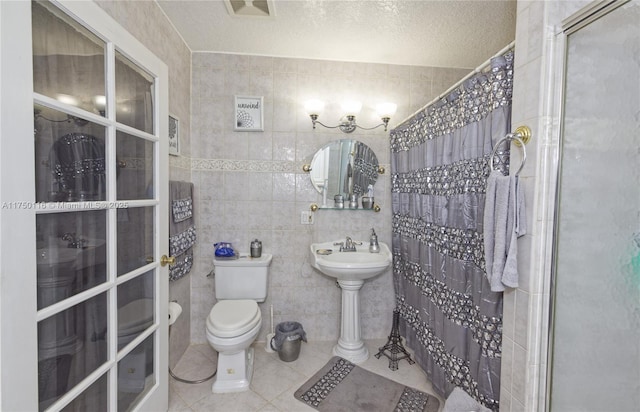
477 70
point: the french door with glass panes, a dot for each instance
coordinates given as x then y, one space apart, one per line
83 177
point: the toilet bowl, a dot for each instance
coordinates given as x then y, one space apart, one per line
232 325
133 319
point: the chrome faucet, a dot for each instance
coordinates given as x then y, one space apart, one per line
349 245
74 242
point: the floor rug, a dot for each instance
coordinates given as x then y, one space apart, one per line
341 386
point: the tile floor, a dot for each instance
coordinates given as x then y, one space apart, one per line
274 381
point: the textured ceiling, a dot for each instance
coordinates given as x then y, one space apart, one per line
443 33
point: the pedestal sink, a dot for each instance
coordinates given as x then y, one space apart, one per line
351 269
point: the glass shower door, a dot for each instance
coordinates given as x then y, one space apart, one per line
596 331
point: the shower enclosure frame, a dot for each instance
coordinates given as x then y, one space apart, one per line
555 108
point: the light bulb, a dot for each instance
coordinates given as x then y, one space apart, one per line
386 109
100 102
351 107
314 106
67 99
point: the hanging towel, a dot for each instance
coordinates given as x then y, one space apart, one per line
347 186
460 401
504 221
182 232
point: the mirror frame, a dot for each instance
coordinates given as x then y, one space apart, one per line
350 154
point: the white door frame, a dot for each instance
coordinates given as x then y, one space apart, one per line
18 314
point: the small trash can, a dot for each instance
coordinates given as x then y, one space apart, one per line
289 336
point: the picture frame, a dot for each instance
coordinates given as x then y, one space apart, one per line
174 135
248 114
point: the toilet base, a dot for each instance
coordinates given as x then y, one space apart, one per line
234 372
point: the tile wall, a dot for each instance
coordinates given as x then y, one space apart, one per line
251 184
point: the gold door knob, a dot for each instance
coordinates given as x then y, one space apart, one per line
167 260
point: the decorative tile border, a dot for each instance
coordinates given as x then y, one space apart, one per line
266 166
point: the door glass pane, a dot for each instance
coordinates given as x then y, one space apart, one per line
68 60
135 307
596 350
71 254
71 345
94 398
135 167
135 375
70 157
134 95
135 238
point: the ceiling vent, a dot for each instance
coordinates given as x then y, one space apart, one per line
250 8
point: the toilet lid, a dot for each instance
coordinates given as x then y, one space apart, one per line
135 316
230 318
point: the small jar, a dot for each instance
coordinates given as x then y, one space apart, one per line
353 201
338 201
367 202
256 249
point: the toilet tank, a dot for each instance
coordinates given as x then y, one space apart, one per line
242 278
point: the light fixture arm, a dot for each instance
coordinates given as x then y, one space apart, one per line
348 124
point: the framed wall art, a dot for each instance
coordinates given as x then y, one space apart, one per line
249 113
174 136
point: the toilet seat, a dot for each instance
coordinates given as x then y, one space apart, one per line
135 316
231 318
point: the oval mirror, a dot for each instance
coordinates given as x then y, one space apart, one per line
344 167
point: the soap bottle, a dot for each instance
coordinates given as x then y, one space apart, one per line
374 247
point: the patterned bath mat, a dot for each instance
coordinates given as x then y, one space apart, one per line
341 386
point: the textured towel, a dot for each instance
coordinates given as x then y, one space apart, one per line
504 221
460 401
182 232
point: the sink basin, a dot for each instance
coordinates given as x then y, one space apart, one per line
91 253
351 269
358 265
55 256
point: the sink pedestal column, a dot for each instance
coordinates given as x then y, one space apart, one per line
350 345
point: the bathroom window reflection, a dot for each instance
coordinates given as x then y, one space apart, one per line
136 375
135 238
71 345
71 254
135 167
68 60
70 157
93 399
135 307
134 95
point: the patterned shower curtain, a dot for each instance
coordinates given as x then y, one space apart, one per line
439 163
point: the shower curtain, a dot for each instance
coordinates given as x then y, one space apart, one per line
439 163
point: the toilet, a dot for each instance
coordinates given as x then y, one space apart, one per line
133 319
235 320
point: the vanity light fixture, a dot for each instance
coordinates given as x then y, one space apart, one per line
351 109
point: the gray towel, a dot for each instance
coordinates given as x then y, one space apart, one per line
182 232
504 221
179 192
347 186
460 401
